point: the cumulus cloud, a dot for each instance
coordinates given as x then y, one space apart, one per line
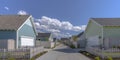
6 8
56 26
22 12
83 27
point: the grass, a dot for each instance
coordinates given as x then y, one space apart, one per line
93 57
110 54
38 55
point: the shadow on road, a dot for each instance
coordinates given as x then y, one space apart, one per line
65 50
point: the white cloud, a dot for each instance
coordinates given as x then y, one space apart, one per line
22 12
58 35
56 26
6 8
37 24
54 30
83 27
77 28
66 25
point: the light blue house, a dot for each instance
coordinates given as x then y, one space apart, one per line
17 31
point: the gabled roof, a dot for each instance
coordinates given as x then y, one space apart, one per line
12 22
107 21
80 34
64 38
43 35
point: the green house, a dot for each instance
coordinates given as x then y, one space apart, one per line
103 32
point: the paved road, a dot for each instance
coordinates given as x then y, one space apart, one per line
63 52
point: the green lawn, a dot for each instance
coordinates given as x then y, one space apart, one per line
112 53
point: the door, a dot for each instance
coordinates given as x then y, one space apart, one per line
106 43
93 41
27 41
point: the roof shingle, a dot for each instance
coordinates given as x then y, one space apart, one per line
12 22
43 35
107 21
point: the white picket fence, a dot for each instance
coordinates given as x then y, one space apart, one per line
35 50
23 53
113 52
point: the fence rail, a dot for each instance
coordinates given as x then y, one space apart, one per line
35 50
23 53
113 52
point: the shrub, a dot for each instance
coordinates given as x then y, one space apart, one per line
11 58
110 58
87 54
72 46
97 58
113 47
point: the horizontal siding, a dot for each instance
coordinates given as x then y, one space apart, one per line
113 36
111 32
93 30
7 35
3 44
26 30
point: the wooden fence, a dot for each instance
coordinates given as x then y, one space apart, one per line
24 53
113 52
35 50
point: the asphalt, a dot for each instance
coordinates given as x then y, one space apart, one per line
63 52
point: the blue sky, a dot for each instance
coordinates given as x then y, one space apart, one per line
76 12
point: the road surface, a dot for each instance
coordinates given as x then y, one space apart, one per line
63 52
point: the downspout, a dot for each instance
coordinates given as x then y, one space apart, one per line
17 39
102 38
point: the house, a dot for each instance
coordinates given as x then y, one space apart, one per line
17 31
66 41
103 32
73 41
81 40
45 39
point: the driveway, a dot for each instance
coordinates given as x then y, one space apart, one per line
63 52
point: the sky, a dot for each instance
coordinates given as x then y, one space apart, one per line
62 17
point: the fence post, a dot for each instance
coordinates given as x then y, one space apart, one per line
4 50
30 52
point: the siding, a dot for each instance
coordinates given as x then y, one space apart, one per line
7 44
81 41
43 38
111 32
93 29
3 44
7 35
113 36
26 30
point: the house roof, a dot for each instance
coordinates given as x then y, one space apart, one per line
80 34
43 35
107 21
64 38
12 22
